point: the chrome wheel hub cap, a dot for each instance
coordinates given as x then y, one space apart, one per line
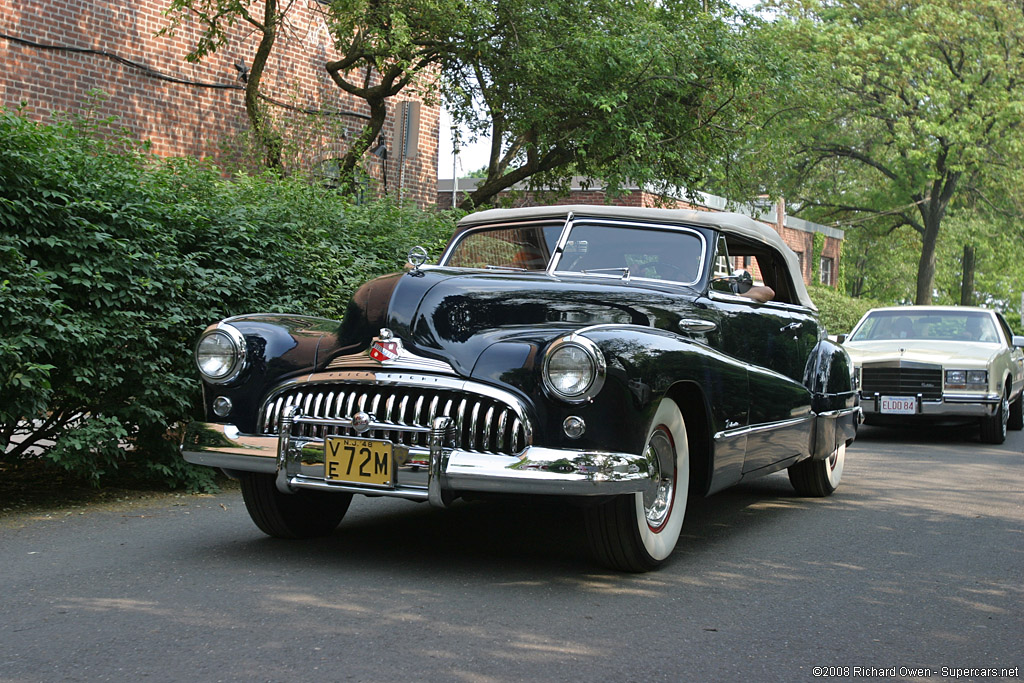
660 494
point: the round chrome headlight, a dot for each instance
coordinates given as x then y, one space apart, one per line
220 354
574 369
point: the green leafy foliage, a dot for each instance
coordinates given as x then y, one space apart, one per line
915 114
113 262
838 312
650 93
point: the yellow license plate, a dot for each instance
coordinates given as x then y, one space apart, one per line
358 461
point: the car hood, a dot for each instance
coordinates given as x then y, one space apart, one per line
455 316
922 351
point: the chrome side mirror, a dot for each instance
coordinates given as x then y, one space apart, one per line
1018 341
740 281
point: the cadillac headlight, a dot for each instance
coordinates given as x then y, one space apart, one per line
977 377
220 354
574 369
964 378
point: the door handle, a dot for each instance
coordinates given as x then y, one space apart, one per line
696 325
791 327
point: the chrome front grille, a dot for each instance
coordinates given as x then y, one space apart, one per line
483 424
902 381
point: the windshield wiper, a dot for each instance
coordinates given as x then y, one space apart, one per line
624 271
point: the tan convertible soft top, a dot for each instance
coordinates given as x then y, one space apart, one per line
729 223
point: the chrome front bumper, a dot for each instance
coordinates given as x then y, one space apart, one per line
979 405
436 473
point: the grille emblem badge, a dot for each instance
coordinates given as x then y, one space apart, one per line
361 422
385 347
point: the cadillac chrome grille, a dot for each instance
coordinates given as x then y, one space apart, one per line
482 423
893 381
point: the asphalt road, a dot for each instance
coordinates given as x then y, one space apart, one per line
917 562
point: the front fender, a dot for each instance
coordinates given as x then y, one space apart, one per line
278 347
643 365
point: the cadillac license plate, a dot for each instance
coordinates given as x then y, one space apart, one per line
898 405
358 461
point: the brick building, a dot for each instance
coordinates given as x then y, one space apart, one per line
54 52
798 234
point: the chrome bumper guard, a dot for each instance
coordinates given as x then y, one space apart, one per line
437 473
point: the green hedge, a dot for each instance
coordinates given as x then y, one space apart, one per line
112 262
838 312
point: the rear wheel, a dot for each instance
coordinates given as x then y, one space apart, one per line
819 478
993 427
305 514
1016 419
637 532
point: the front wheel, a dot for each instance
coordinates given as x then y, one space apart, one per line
818 478
305 514
993 427
637 532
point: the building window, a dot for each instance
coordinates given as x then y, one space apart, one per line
826 269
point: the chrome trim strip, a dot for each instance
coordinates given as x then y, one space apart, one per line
842 412
764 427
406 360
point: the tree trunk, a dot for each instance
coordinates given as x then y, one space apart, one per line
967 284
926 266
269 140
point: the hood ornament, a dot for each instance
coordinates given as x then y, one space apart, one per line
417 257
386 347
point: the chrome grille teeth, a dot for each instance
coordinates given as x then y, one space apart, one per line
482 424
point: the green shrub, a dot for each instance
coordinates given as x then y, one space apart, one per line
838 312
111 264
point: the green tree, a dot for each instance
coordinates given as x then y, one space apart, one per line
385 47
917 108
218 19
625 91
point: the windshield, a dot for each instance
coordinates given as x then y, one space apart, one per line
633 252
526 247
944 325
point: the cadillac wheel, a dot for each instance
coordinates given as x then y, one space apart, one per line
638 532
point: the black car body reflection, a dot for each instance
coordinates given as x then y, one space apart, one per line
601 354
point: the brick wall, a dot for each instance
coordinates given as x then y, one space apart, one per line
184 119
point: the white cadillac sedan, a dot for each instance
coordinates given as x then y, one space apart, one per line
918 364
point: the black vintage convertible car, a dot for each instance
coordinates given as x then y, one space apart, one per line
606 355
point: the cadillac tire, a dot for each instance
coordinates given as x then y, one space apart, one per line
306 514
638 532
1016 419
993 428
